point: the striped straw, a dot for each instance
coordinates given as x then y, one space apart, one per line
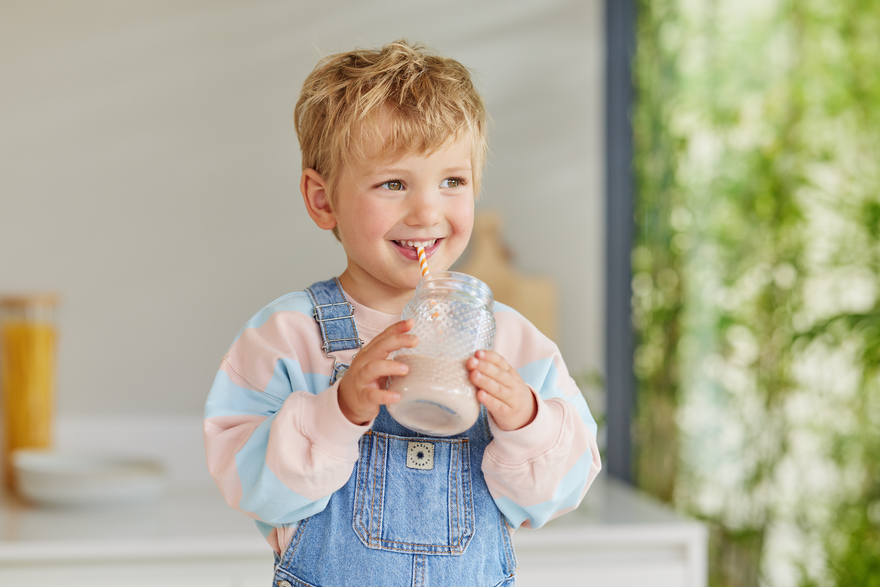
423 261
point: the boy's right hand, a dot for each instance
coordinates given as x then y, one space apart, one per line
362 388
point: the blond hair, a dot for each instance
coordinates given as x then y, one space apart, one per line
425 100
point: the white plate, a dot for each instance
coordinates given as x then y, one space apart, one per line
66 479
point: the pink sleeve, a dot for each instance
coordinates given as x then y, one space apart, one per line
313 447
544 469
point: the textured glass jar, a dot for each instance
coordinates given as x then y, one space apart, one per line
453 319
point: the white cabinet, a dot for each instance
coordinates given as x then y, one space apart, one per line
616 537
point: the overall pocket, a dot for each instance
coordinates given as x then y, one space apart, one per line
414 495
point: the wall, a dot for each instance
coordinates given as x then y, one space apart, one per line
149 169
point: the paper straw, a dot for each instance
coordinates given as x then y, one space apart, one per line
423 261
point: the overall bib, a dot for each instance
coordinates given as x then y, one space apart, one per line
416 510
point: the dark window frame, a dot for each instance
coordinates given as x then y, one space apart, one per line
620 27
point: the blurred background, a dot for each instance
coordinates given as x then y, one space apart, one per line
149 175
755 281
150 170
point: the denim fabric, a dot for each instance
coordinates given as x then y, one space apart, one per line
442 497
335 316
404 522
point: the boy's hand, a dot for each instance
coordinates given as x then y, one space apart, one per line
362 388
500 388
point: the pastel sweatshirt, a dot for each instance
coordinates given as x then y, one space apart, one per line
278 446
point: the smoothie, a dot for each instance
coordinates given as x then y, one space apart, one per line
436 396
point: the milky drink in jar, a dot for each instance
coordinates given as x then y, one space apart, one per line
453 318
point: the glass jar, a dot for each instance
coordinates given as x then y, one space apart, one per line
453 314
27 373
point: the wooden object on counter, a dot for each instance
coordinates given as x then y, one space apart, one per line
488 259
27 373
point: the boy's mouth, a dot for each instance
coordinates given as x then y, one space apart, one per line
410 248
416 244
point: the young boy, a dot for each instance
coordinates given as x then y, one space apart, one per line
393 144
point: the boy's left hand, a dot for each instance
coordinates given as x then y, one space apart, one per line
500 388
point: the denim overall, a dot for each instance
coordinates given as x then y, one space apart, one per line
416 510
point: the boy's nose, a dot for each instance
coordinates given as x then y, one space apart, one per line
424 210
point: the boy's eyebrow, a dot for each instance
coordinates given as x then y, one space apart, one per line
401 170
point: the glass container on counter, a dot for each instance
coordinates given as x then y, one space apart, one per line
27 373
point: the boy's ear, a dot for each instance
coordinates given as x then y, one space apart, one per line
313 188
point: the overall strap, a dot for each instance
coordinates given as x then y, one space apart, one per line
335 316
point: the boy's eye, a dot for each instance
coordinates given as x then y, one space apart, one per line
393 185
452 182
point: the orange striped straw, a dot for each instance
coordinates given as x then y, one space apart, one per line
423 261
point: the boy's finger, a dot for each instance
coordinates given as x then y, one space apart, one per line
379 349
398 327
394 343
395 329
488 360
383 396
490 386
396 334
376 370
483 371
491 357
495 406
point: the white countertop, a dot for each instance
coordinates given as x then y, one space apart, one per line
180 524
184 523
191 520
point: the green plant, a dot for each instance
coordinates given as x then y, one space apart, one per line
757 281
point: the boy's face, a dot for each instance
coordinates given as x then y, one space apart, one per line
384 209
